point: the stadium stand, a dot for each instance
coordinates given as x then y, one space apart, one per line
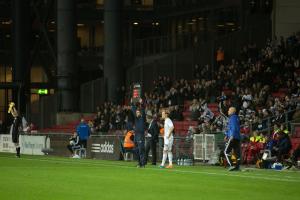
263 84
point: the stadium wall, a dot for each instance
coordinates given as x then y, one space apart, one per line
286 17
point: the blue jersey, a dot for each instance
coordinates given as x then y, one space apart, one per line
83 131
233 129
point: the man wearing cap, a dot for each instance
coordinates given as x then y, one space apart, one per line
153 132
233 139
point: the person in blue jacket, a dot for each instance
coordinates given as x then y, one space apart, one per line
83 130
233 138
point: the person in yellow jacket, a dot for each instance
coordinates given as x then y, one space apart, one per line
254 137
284 129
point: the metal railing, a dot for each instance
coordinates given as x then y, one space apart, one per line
270 121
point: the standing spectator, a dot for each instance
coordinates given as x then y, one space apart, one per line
153 132
220 57
2 127
84 132
233 139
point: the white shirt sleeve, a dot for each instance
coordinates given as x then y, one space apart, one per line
169 123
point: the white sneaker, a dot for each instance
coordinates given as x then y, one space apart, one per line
76 156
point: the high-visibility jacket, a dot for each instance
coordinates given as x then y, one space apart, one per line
286 131
254 139
128 142
162 131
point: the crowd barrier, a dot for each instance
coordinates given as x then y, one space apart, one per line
108 147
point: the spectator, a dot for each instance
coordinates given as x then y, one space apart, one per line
2 127
283 147
153 133
220 57
292 161
195 110
176 114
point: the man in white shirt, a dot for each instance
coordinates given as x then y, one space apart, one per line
168 140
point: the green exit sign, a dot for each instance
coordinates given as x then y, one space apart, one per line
42 91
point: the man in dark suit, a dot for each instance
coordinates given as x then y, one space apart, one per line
152 138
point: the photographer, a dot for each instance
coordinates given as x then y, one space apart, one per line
73 142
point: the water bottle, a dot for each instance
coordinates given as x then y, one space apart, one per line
181 161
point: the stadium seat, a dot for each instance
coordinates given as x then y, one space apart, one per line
126 153
80 151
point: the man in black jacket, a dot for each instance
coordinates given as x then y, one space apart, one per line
139 133
283 147
292 161
15 128
152 138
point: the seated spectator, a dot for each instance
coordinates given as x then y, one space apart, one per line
176 114
284 129
103 127
283 147
32 128
255 137
207 114
195 110
91 125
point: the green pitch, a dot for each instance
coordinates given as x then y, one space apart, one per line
41 178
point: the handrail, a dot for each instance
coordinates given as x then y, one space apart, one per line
165 44
269 124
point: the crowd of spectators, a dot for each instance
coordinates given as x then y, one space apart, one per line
246 83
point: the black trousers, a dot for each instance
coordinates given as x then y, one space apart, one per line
151 145
15 137
295 156
83 143
71 148
15 130
140 150
236 146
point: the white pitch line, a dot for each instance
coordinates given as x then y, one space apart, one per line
231 174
